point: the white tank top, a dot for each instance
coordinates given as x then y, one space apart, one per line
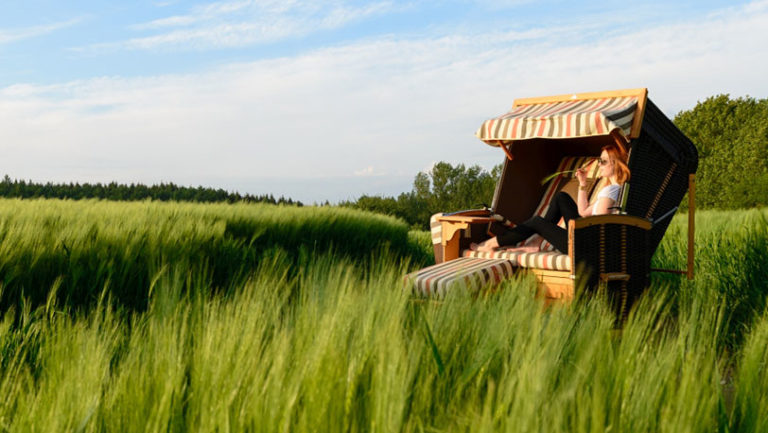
610 191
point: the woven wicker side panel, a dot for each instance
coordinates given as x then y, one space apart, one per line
587 252
612 248
657 185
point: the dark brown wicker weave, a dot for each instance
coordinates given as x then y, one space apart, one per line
661 160
612 254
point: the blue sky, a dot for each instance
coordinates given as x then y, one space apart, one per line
328 100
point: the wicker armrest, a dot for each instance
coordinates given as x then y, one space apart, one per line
627 220
607 239
613 251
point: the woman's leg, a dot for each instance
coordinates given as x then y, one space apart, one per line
562 206
554 234
514 235
511 236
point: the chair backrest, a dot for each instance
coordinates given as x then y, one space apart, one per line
569 184
566 181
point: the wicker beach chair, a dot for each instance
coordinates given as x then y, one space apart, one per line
613 251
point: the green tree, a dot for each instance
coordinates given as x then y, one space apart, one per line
444 188
732 138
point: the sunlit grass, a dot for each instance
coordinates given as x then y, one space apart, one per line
87 245
333 343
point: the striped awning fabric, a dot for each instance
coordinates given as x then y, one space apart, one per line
561 119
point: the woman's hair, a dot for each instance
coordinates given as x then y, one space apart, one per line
619 157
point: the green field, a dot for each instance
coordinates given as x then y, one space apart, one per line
182 317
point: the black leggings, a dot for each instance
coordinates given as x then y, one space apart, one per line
561 206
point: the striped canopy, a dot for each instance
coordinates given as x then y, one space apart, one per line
564 117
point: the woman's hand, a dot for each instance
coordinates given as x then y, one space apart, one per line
583 204
581 175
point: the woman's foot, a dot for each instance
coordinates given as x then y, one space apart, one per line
484 247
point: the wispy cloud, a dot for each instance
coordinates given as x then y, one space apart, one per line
197 14
242 23
367 171
14 35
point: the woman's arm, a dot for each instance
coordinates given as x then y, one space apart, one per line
582 200
583 203
604 205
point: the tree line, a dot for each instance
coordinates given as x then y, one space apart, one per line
134 191
731 136
444 188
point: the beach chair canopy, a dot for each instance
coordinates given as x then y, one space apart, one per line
538 132
569 118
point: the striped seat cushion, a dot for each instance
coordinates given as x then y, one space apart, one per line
466 272
551 260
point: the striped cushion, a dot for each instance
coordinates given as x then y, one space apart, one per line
551 260
471 273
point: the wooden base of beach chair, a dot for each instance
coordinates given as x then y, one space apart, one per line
553 285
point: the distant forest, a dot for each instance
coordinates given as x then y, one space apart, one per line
134 191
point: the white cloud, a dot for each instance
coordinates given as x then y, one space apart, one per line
304 126
242 23
198 14
14 35
367 171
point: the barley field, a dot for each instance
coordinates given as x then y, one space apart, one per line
188 317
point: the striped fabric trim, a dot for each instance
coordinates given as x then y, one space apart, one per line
552 260
566 119
473 273
436 227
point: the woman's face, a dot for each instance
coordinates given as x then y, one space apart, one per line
606 165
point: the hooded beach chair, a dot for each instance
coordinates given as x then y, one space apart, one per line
541 136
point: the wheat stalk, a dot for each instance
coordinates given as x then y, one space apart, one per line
555 174
558 173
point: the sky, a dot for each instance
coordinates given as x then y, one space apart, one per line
330 100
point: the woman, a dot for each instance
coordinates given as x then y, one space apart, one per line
613 166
